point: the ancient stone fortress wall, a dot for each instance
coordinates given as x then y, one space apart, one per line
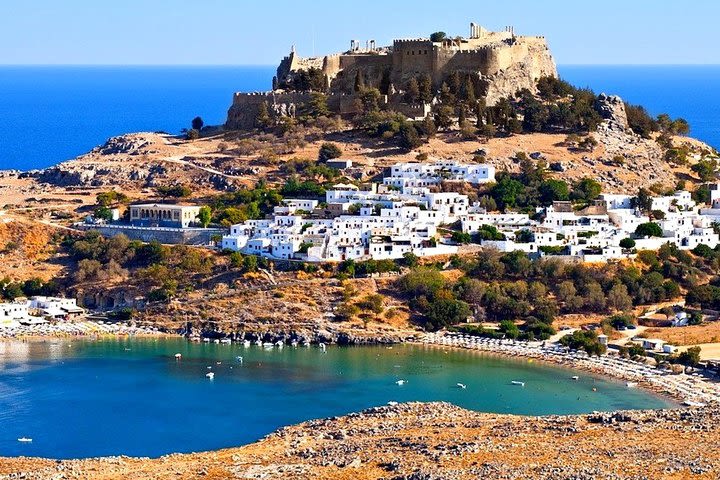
505 62
371 67
245 107
412 58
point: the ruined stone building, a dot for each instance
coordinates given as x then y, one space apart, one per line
501 63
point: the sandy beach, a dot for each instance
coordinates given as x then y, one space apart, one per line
693 389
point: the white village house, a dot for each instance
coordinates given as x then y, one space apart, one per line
402 215
381 222
37 309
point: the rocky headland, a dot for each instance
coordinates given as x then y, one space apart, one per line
421 441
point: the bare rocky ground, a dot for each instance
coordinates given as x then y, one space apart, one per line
294 307
135 163
423 441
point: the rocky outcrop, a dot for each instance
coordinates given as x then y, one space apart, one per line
612 109
423 441
62 177
523 73
132 144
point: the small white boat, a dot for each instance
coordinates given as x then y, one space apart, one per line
247 343
392 403
691 403
516 382
210 375
206 340
226 341
216 341
631 384
575 377
178 356
279 344
400 382
239 359
258 343
294 343
461 385
322 346
25 440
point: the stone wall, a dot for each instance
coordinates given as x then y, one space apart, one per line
504 62
244 109
170 236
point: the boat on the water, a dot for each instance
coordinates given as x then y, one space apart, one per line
25 440
178 356
400 382
210 375
517 382
575 377
461 385
631 384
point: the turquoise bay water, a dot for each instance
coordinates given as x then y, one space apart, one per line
52 114
131 396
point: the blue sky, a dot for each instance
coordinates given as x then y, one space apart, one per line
218 32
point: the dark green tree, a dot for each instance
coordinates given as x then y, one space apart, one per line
329 151
648 229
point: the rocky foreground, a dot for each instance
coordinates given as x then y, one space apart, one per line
423 441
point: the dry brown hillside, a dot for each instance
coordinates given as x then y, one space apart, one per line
136 163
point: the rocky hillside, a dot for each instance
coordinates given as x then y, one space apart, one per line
438 441
138 162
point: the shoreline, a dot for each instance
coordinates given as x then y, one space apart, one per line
561 365
82 329
692 390
680 388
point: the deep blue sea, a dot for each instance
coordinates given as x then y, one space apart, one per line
78 398
51 114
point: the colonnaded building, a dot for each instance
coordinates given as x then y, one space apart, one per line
499 64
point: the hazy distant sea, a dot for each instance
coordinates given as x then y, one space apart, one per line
51 114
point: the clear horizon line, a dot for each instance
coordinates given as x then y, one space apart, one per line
262 65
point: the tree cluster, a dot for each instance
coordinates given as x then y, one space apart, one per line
532 187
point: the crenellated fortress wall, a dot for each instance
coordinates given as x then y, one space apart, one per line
502 61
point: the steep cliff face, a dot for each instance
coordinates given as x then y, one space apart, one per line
499 62
523 70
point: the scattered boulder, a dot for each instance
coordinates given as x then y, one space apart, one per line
612 109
